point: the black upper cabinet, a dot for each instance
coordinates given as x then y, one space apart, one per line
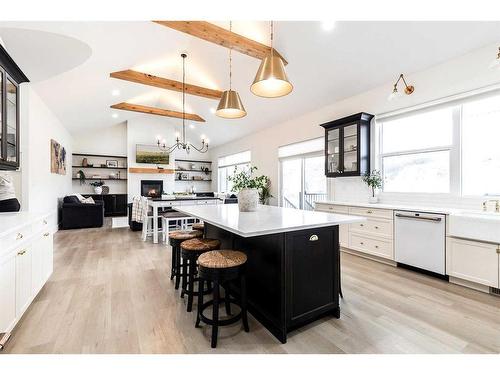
347 146
10 78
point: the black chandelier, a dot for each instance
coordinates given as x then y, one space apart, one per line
183 145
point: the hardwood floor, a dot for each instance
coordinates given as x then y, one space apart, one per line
110 293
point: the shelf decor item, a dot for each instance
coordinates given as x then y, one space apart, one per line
251 190
81 176
112 163
97 185
374 181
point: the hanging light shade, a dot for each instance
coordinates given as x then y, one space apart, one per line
271 80
230 105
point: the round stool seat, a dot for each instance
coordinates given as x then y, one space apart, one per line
198 226
222 259
183 235
200 244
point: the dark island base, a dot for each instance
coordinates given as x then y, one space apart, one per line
292 277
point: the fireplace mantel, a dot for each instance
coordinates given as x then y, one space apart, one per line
151 170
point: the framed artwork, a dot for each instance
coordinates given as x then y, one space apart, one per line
57 158
150 154
112 163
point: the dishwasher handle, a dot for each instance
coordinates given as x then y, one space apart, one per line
437 219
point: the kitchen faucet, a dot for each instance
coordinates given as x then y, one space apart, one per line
497 205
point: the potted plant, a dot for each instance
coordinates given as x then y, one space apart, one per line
374 181
81 176
97 186
250 189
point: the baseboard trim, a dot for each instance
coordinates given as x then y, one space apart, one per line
369 256
470 284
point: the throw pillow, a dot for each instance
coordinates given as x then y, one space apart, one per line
88 200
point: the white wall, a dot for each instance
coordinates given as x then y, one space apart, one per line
41 188
459 75
110 140
143 130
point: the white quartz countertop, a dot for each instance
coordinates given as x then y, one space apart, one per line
11 221
389 206
266 220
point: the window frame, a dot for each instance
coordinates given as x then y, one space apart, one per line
226 166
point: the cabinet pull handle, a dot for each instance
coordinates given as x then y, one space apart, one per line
313 238
376 227
19 236
369 212
46 234
22 252
376 246
44 222
361 225
361 243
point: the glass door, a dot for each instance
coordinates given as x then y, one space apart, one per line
1 113
350 148
333 154
303 181
12 122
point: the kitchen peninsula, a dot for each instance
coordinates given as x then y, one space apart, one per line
293 260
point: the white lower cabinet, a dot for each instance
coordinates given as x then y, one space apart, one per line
7 292
372 245
474 261
24 288
25 266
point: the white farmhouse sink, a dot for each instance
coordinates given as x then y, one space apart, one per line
476 225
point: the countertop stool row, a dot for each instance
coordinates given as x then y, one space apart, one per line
201 268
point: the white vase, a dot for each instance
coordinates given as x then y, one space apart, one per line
98 189
373 199
248 199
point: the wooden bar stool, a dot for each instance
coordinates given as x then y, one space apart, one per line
190 251
176 238
221 267
199 226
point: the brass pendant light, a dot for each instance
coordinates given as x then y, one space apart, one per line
230 105
271 80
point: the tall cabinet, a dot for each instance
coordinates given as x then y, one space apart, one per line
347 146
10 78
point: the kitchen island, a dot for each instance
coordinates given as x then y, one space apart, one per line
293 264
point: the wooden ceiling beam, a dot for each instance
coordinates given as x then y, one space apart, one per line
165 83
156 111
223 37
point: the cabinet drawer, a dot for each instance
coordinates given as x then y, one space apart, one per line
371 212
332 208
379 227
15 237
378 247
42 225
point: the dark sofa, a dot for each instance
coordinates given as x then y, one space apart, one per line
81 215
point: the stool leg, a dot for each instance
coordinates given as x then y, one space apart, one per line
190 286
177 266
243 303
227 293
172 270
201 286
184 276
215 315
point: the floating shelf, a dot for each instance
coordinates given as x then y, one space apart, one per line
81 166
194 161
193 180
100 156
101 179
191 171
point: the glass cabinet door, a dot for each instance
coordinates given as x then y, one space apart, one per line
12 122
350 148
333 153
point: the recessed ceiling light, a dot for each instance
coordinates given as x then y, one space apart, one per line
212 110
114 115
328 25
191 126
115 92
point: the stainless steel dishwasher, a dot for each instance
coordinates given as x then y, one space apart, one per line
420 240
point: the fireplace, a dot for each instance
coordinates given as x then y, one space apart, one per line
151 188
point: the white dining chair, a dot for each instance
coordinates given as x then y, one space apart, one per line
147 219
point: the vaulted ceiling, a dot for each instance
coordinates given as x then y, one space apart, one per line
69 64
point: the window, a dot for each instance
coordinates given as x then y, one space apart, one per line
415 152
302 180
480 147
452 148
226 167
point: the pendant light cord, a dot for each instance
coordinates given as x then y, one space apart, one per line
272 37
230 60
184 99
